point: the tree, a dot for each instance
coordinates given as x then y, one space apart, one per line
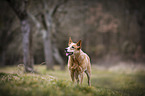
20 8
45 27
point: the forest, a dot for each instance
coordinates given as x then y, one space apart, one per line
109 30
35 33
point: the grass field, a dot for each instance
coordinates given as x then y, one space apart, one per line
13 82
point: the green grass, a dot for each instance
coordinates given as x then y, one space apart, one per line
13 82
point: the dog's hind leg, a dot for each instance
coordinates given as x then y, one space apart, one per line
88 76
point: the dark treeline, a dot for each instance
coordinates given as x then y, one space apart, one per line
110 30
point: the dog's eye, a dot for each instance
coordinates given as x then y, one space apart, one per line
72 47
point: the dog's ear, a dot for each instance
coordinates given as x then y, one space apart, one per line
70 41
79 44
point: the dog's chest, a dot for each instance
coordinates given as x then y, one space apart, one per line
75 61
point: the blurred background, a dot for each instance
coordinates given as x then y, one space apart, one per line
111 31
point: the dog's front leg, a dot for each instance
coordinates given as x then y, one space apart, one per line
77 77
81 78
72 75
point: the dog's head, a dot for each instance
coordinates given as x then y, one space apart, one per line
72 48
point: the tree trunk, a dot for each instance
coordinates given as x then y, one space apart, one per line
20 8
47 22
47 49
27 46
55 52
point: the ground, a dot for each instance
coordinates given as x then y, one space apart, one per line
105 82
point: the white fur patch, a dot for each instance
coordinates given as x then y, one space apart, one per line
70 48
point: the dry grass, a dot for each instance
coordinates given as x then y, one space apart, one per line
105 82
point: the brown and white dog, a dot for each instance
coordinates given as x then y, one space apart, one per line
78 62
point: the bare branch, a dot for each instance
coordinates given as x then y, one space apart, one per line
54 9
45 5
38 24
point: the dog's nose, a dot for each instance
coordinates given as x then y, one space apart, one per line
65 49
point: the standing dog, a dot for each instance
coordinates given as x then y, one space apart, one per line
78 62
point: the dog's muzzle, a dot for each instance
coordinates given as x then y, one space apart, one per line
65 49
68 53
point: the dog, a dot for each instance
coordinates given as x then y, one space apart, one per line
78 62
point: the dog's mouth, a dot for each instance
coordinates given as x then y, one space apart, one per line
69 53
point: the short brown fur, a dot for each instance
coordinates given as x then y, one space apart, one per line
78 63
